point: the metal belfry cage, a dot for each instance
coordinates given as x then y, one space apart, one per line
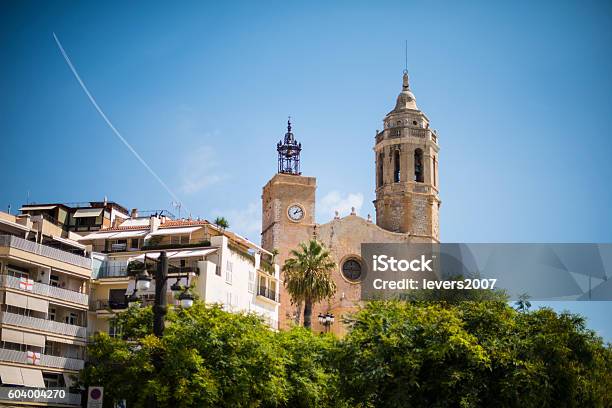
289 153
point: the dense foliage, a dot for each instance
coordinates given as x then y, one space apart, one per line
396 354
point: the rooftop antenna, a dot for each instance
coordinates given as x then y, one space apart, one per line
177 205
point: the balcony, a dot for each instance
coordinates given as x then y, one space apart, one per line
44 325
112 271
106 304
21 357
43 250
46 290
268 293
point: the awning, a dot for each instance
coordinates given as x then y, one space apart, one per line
150 255
129 234
37 304
11 375
32 378
193 254
32 339
12 336
40 207
97 235
175 254
114 235
68 242
65 341
87 212
16 299
174 231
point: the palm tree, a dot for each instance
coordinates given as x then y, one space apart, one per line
523 304
308 276
221 222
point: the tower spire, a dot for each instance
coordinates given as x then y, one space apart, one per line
289 153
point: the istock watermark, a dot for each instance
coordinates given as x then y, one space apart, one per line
541 271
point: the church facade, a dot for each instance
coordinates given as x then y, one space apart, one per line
407 205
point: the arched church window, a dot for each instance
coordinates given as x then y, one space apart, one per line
418 166
399 123
379 175
435 170
396 166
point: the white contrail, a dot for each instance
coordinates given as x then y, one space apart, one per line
108 122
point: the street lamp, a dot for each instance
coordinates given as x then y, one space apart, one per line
186 299
143 283
326 320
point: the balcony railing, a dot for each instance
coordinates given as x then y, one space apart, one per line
21 357
46 290
112 271
44 250
268 293
106 304
43 324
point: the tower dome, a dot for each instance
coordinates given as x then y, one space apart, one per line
406 99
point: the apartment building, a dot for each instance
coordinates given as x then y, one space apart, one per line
44 285
221 267
81 218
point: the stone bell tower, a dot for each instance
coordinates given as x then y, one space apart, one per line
288 211
406 156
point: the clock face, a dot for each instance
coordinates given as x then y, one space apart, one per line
295 212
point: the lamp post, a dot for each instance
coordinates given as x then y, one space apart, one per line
326 320
160 308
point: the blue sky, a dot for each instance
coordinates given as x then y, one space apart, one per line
520 93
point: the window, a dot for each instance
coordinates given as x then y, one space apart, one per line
228 271
380 170
435 165
18 274
52 313
251 281
418 166
53 380
228 303
134 243
396 166
351 269
54 280
116 298
114 330
218 270
72 318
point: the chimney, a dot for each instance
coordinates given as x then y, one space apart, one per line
134 213
154 222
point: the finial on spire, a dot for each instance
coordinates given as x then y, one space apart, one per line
406 55
289 124
405 82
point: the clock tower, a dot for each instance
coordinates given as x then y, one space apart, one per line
288 210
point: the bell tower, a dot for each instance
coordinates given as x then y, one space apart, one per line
288 210
406 157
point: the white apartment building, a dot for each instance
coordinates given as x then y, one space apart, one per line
221 266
